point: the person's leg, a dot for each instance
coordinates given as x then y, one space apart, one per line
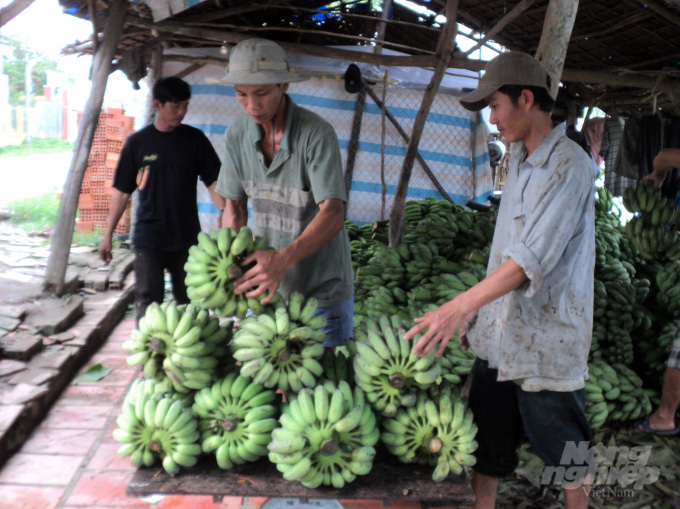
499 431
663 419
149 284
551 420
175 265
484 487
339 323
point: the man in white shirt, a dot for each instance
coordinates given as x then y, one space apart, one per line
534 309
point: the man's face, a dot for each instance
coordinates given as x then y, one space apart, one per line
510 120
261 102
170 114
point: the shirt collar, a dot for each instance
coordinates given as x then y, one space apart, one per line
255 132
543 151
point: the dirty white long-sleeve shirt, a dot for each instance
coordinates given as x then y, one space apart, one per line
538 335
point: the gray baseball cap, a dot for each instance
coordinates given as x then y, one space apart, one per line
511 68
256 62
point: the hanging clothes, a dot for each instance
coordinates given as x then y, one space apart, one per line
626 161
612 134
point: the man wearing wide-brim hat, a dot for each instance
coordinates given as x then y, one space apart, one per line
534 310
283 162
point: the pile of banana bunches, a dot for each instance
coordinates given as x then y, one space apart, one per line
229 378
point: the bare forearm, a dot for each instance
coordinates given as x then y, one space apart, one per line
503 280
328 222
235 214
217 200
666 160
119 201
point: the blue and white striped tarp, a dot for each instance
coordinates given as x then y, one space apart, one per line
453 144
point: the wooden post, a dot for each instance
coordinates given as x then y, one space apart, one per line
445 49
63 230
354 141
552 48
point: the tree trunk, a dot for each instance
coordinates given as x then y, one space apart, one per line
552 49
63 230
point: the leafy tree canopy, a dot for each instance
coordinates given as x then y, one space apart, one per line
15 54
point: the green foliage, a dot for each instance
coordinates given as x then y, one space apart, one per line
15 68
37 146
34 214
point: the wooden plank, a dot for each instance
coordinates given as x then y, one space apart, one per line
388 480
12 10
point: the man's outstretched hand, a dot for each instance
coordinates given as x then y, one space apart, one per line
264 277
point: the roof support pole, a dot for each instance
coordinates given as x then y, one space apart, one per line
445 48
63 230
552 48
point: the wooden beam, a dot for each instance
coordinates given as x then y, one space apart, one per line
552 48
226 13
457 61
63 229
367 40
623 22
352 15
445 47
661 10
11 11
222 36
502 23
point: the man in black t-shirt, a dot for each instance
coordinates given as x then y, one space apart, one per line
164 161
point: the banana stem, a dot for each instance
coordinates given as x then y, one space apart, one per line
434 444
398 381
329 447
230 422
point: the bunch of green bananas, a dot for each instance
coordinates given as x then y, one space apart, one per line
352 230
386 369
656 349
413 211
282 348
456 363
181 343
441 434
214 262
624 397
668 283
337 366
650 230
152 426
326 436
236 416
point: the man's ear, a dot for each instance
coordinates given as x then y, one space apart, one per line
526 98
157 104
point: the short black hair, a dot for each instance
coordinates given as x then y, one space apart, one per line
171 89
542 97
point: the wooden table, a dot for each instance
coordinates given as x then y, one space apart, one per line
389 480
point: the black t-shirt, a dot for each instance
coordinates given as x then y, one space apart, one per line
165 166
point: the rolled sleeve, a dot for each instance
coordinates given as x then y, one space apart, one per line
229 184
550 225
531 266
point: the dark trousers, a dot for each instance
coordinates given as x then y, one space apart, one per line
150 266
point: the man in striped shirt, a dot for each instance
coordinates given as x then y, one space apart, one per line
283 162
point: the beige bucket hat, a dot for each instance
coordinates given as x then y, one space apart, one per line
256 62
511 68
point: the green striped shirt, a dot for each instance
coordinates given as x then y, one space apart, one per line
284 197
